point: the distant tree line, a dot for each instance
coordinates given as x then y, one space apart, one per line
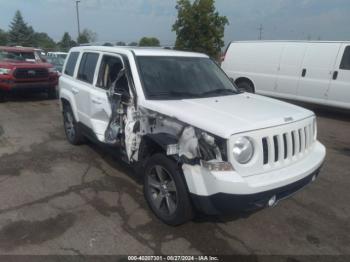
198 27
22 34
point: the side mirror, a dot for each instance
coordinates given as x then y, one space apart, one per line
232 80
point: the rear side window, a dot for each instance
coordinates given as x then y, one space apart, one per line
87 67
345 62
72 60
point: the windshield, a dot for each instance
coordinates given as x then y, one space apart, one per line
19 56
57 61
182 78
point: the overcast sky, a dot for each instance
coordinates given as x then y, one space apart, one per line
129 20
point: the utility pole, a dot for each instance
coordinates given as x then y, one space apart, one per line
77 8
261 29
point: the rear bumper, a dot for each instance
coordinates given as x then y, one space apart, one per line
221 203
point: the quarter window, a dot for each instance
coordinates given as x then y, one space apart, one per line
87 67
109 70
345 63
72 61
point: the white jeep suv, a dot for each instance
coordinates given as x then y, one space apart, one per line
200 143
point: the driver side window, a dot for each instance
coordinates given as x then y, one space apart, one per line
345 63
109 70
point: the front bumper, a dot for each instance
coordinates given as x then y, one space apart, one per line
227 192
222 203
28 86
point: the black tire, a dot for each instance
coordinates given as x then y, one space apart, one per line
71 128
52 93
245 86
169 213
2 96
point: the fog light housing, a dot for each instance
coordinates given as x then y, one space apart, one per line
272 201
217 166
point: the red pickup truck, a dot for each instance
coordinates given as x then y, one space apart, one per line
22 69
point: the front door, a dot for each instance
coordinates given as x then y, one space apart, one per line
339 92
100 114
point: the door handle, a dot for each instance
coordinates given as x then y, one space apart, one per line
303 73
75 91
335 75
96 101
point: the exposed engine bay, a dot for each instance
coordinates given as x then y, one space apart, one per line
128 126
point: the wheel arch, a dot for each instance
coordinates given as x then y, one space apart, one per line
152 144
66 99
247 80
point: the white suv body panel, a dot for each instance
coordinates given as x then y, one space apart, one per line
227 117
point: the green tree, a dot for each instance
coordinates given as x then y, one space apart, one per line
3 37
66 43
199 27
42 40
120 43
133 44
149 41
87 36
20 33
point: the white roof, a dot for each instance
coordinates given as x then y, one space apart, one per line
139 51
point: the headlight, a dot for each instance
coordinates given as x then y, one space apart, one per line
4 71
243 150
52 70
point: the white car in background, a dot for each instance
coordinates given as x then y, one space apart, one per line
316 72
199 143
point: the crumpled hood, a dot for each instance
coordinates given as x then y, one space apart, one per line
227 115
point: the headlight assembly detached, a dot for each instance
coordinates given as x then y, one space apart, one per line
243 150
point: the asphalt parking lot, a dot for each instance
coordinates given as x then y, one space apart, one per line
60 199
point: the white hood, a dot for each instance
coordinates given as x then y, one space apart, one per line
228 115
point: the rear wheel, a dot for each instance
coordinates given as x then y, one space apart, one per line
245 86
52 93
166 192
73 134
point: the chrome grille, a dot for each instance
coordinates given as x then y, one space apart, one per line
31 73
280 147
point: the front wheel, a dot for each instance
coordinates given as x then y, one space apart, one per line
166 192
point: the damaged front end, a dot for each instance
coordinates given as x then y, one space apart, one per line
141 132
185 143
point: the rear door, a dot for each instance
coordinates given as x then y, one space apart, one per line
85 79
109 68
339 92
316 71
289 70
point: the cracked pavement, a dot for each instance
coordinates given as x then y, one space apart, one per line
59 199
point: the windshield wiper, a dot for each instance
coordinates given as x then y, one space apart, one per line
176 94
219 91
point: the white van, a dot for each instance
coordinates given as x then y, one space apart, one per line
316 72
